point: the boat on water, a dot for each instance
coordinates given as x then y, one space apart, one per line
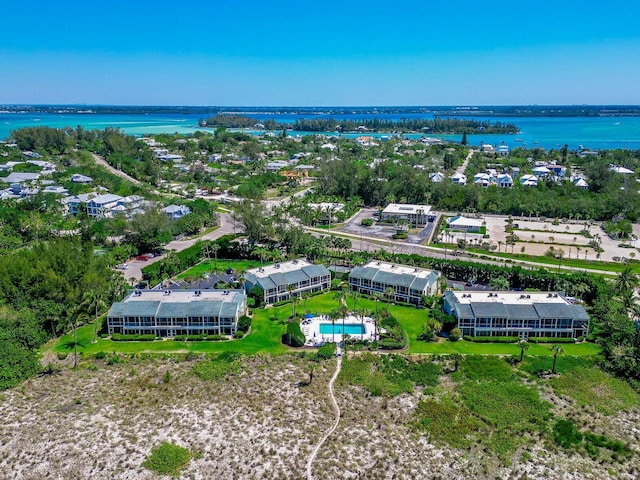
518 140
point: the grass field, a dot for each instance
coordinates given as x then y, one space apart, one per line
209 266
270 324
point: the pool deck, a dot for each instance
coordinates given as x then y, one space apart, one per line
311 329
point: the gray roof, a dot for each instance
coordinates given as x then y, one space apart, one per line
204 308
392 278
553 310
524 312
287 277
142 308
579 313
463 311
171 310
489 310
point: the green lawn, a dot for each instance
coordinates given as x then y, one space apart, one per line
270 324
208 266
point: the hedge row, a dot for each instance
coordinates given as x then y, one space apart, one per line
203 337
118 337
551 340
483 339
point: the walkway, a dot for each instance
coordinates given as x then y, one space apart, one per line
463 168
336 408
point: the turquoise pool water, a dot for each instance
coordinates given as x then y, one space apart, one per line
349 329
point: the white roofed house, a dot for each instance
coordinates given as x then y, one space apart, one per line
437 177
465 224
483 179
622 170
458 178
101 206
580 183
276 165
504 181
415 215
528 180
78 178
174 212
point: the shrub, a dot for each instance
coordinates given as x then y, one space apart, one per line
244 323
367 222
239 334
551 340
118 337
294 336
566 434
62 355
483 339
325 352
455 335
168 459
100 355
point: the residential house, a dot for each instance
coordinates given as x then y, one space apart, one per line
504 180
78 178
276 165
177 312
174 212
100 206
459 178
528 180
280 281
437 177
409 284
531 314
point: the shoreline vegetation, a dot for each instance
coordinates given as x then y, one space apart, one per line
371 125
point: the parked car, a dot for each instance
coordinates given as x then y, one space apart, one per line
230 271
122 266
142 258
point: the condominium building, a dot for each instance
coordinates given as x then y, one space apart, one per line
530 314
280 281
167 313
409 284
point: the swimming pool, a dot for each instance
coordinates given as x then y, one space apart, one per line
349 328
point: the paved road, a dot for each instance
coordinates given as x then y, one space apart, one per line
463 168
101 161
134 269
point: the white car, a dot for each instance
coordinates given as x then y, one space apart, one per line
122 266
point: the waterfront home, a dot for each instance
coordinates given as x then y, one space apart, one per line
409 284
280 281
518 314
167 313
100 206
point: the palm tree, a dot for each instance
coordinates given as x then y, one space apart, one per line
390 294
214 248
93 301
77 316
376 297
524 346
627 281
355 295
557 351
499 283
306 295
290 289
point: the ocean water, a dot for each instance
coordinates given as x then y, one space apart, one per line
546 132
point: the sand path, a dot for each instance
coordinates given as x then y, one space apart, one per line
336 408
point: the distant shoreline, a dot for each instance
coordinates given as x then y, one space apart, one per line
453 111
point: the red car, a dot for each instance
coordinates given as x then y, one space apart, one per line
142 258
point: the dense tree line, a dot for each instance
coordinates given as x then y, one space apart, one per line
435 125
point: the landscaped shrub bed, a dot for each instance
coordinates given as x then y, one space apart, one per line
551 340
118 337
482 339
200 338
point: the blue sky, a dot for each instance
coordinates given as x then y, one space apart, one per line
223 52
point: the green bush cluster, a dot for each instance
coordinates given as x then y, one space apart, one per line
550 340
294 336
244 323
395 337
483 339
325 352
119 337
227 363
367 222
168 459
201 337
